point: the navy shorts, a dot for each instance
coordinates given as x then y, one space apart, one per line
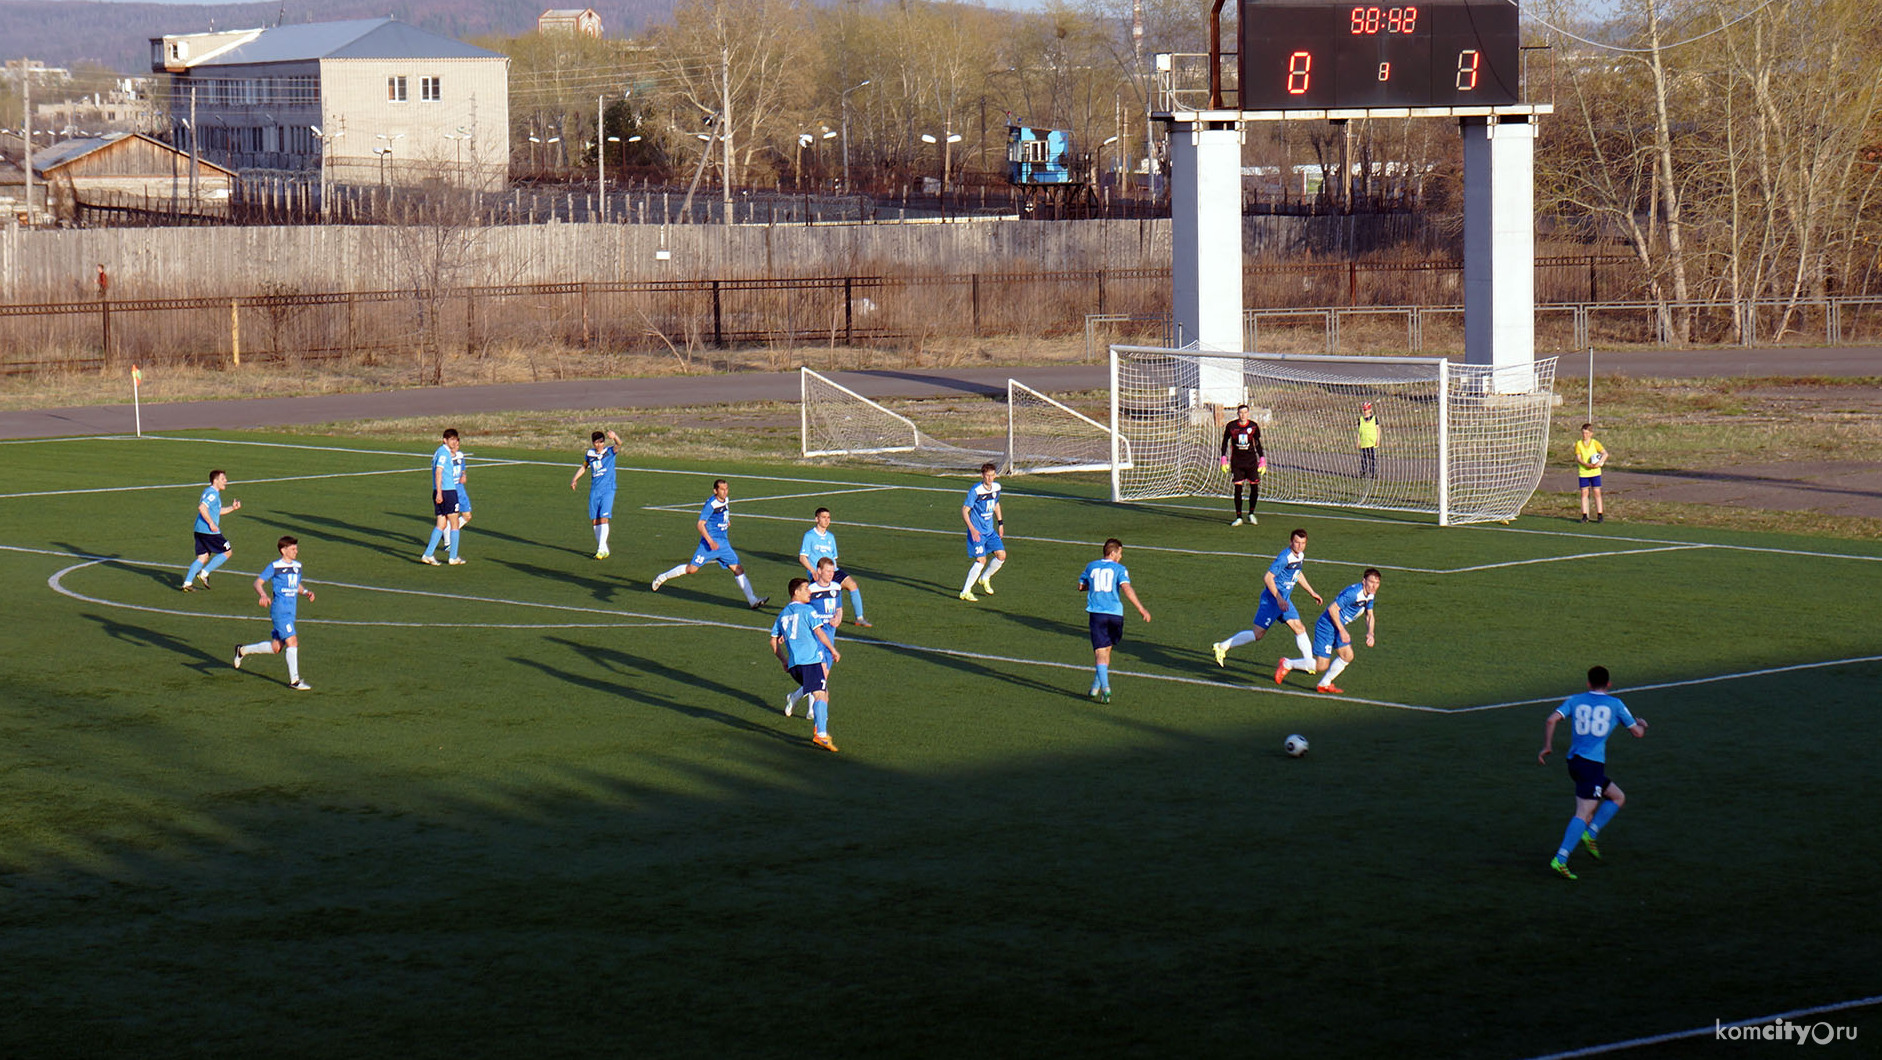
211 544
1593 481
447 506
1106 630
1591 778
840 576
810 677
1241 473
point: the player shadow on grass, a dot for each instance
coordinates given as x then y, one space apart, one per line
373 539
202 661
161 574
624 663
1073 686
1136 649
603 591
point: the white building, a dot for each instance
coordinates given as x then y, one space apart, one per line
385 102
583 21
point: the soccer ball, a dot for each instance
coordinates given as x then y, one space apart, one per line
1295 745
1597 460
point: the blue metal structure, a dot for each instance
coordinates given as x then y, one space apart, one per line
1040 156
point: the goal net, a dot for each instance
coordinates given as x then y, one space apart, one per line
1463 442
1032 432
1044 434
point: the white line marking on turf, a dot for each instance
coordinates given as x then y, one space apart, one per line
1699 1032
199 485
1714 679
652 620
57 584
1562 559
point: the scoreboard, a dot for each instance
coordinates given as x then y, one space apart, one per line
1319 55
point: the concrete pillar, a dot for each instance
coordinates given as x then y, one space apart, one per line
1500 249
1206 248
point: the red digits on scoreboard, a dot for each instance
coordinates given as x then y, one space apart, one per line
1299 73
1468 62
1368 21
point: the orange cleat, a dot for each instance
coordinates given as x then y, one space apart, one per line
1330 690
1280 672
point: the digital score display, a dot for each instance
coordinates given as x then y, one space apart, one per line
1302 55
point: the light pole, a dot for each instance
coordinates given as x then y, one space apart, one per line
459 136
1098 163
385 155
846 134
326 188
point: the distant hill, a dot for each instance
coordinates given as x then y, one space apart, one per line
117 35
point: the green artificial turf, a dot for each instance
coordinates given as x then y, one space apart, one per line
532 808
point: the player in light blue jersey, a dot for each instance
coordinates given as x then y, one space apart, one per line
985 522
598 463
446 466
715 545
280 589
820 543
800 642
1332 641
826 598
1593 715
212 549
1102 582
1277 585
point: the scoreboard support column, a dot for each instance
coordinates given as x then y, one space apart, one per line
1206 247
1500 248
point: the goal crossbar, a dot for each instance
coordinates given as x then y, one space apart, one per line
1096 448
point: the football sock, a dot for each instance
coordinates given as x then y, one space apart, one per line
856 597
1571 836
215 561
1333 671
601 536
294 664
1602 816
454 536
437 535
1238 500
260 647
796 694
744 585
1246 636
1104 676
674 573
1306 650
196 567
820 713
973 575
994 566
1303 665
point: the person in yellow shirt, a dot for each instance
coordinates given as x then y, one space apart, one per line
1590 455
1368 442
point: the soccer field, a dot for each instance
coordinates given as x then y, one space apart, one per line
532 807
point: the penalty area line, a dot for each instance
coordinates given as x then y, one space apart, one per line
1699 1032
1714 679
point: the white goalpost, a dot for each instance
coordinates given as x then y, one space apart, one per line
1038 433
1463 442
1045 435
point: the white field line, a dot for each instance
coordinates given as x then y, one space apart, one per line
1017 494
654 620
1564 559
200 485
1700 1032
1714 679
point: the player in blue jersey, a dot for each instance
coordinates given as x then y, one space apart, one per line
820 543
826 598
1287 570
1102 582
598 462
799 641
212 549
981 512
715 545
463 493
1332 641
280 589
1592 715
446 466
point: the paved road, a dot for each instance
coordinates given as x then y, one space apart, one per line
668 392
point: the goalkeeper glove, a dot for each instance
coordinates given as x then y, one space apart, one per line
1261 464
1225 463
